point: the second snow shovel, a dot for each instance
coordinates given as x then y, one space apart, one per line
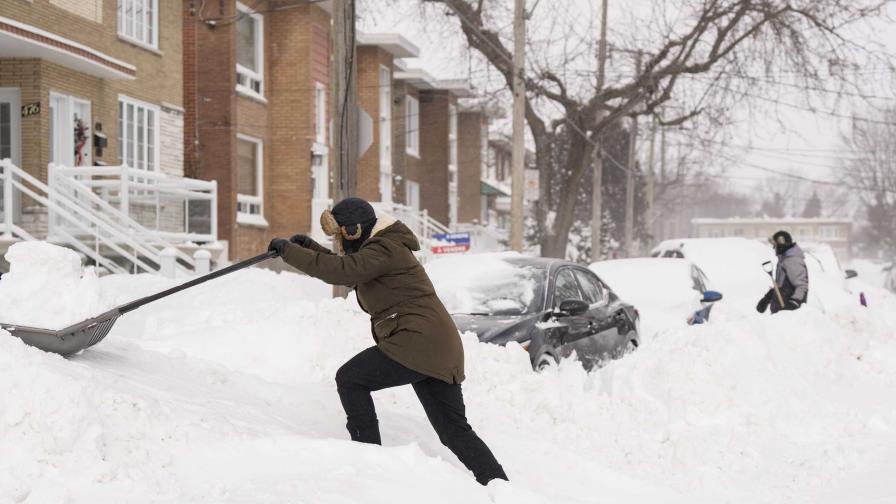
77 337
767 266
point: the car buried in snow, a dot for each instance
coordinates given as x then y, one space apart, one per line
553 308
668 291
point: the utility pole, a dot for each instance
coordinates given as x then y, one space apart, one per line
344 109
597 177
648 214
630 175
343 68
518 154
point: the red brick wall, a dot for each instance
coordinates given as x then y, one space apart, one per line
434 153
370 59
296 55
405 166
469 164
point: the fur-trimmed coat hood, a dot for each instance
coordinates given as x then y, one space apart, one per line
407 320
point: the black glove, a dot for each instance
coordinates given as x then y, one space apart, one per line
792 304
302 240
278 245
763 303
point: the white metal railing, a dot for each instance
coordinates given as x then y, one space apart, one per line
79 218
484 239
161 207
418 221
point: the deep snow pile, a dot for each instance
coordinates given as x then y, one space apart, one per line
47 287
224 393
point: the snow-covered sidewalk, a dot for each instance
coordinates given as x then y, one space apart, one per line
225 393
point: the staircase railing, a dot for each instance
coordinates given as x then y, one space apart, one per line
74 221
100 186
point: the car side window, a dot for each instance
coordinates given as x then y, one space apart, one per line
590 286
566 287
699 285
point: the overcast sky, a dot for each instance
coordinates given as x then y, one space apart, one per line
777 134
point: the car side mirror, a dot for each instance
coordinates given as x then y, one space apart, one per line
573 307
711 296
851 273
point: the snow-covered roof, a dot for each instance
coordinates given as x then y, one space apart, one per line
772 220
419 77
394 43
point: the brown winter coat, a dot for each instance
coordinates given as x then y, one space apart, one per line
407 319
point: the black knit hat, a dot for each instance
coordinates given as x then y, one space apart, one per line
352 212
782 241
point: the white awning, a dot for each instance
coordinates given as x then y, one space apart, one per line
19 40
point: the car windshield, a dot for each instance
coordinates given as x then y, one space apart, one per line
488 286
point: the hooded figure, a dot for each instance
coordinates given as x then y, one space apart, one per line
791 276
416 340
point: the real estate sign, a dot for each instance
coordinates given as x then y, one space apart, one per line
451 243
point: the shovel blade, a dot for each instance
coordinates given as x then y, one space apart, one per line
69 340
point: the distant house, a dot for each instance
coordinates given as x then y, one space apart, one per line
834 232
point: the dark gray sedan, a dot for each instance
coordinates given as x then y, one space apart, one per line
554 309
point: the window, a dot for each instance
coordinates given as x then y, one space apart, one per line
320 113
138 134
250 179
590 286
566 288
412 194
412 125
249 52
138 21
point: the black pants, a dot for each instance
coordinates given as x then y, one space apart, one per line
372 370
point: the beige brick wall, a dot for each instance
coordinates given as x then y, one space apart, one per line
159 73
88 9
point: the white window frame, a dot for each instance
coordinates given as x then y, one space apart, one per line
384 78
157 130
453 199
320 113
247 200
412 194
246 73
412 125
127 27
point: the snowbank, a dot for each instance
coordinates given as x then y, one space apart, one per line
46 287
484 283
225 393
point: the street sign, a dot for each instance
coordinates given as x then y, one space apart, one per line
451 243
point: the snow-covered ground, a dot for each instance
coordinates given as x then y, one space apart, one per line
225 393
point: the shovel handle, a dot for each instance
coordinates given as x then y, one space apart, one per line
133 305
774 284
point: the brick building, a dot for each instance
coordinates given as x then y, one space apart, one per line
73 72
473 122
377 53
256 93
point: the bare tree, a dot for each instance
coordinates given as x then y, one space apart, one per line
715 47
872 171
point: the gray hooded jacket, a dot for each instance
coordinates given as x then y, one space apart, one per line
792 276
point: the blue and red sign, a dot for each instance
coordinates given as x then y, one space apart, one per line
451 243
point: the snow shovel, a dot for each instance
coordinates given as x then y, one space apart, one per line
767 266
77 337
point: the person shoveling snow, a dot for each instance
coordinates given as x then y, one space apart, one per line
791 280
47 287
417 342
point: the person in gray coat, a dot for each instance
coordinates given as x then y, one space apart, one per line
791 276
